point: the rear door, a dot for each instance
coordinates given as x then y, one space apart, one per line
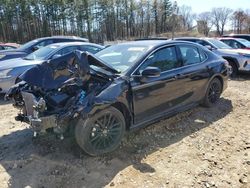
194 72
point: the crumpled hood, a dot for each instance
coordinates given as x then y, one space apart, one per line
53 73
17 62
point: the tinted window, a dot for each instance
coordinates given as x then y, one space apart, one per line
190 55
165 59
227 42
28 45
203 43
91 49
218 44
44 43
66 50
244 42
41 54
9 47
235 44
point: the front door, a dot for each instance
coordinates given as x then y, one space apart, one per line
155 96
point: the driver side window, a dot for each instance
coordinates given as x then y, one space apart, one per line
165 59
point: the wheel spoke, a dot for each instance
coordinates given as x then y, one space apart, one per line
105 131
95 138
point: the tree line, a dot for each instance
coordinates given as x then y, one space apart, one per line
102 20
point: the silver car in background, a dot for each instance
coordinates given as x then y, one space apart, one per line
239 59
12 68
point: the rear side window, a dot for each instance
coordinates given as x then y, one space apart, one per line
43 43
235 44
191 55
227 42
66 50
165 59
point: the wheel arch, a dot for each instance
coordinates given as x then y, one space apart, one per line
233 60
218 76
124 110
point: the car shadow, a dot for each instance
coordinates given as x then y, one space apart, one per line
50 162
242 77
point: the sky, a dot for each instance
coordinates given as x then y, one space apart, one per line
199 6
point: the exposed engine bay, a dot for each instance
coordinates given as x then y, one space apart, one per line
55 93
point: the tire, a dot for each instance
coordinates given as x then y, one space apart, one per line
213 93
102 133
234 69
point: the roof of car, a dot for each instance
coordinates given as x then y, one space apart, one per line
64 37
152 43
231 38
236 35
64 44
186 38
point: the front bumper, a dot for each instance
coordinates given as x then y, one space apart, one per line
244 65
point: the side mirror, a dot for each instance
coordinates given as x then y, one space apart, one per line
35 48
209 47
150 72
56 56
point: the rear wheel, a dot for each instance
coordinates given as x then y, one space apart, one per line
101 133
213 93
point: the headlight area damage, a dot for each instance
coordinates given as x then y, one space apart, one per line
57 93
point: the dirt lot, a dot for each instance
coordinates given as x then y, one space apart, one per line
198 148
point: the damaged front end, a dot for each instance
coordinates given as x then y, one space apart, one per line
51 96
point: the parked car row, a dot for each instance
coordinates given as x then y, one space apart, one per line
36 44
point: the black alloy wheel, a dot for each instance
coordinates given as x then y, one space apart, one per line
101 133
213 92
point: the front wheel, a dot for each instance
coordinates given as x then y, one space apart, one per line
101 133
213 93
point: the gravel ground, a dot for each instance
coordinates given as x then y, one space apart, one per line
198 148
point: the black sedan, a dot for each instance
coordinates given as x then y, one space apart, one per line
122 87
36 44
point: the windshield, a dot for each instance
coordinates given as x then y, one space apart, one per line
41 54
244 42
28 45
218 44
123 56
